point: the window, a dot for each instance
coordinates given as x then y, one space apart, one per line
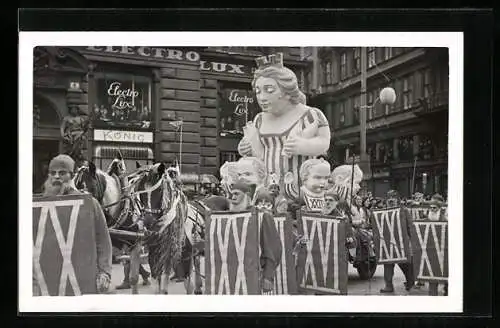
387 53
237 105
357 61
343 66
385 151
369 103
407 93
328 73
322 73
229 156
122 100
425 148
427 83
104 155
357 103
405 148
371 57
342 113
329 112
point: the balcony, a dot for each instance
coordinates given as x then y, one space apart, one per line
434 103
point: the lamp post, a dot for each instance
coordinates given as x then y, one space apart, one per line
387 97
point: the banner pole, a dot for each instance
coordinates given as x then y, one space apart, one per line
413 177
352 181
180 150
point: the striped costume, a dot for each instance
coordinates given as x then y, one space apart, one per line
280 164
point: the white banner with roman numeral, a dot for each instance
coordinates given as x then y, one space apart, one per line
391 236
322 265
430 239
64 250
232 254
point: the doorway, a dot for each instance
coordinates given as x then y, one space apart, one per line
43 152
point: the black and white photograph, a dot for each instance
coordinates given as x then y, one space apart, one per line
175 166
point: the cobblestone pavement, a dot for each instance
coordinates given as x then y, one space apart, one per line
355 285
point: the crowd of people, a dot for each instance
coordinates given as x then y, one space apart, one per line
247 191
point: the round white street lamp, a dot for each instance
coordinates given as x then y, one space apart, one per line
387 96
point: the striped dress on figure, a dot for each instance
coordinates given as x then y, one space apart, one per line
280 164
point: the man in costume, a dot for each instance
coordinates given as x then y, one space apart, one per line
407 267
437 212
58 183
269 238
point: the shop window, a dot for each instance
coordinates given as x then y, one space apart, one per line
122 101
237 106
104 155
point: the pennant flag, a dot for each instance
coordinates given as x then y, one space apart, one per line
176 124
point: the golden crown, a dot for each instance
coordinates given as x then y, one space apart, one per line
271 60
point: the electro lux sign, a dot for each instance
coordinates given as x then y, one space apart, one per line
175 54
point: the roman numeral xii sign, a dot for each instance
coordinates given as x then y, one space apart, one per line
64 250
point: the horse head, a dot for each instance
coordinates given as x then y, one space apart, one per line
148 182
87 178
117 167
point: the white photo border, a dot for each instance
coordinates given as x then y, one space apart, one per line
453 303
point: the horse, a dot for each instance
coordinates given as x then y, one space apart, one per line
106 187
110 188
164 208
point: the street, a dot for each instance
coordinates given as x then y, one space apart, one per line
355 285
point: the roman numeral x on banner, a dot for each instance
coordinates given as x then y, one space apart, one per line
65 246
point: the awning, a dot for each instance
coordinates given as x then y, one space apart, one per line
126 151
195 178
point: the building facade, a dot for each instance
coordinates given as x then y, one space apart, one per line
136 97
407 142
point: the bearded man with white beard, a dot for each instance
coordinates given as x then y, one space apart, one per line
59 182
